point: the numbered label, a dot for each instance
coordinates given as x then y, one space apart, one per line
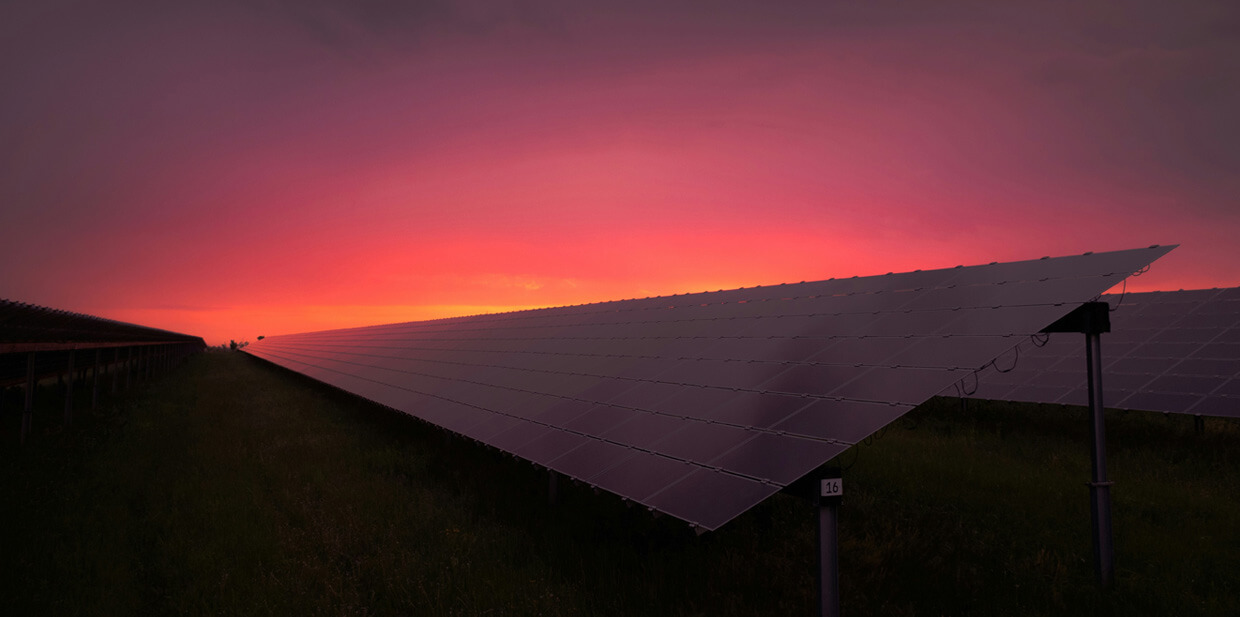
832 487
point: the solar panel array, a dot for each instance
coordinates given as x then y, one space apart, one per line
1175 352
29 327
702 405
52 334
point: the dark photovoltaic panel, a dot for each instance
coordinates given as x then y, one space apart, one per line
29 327
1169 351
46 338
702 405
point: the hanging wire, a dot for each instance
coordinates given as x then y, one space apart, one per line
1124 291
963 390
1040 339
882 432
1015 361
911 424
960 390
868 441
856 457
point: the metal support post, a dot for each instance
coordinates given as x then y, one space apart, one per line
1099 488
553 487
1199 423
1092 319
30 383
69 390
830 493
115 368
128 366
94 380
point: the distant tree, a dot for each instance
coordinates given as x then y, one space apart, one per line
232 345
261 337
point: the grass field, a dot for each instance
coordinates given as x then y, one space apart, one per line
233 487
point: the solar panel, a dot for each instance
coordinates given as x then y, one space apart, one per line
701 405
1173 352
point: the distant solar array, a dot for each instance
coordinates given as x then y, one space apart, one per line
51 334
29 327
38 342
1175 352
702 405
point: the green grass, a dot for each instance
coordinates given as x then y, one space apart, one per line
233 487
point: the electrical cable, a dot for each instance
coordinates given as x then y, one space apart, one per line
1124 291
1009 369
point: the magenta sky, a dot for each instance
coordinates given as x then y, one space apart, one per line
232 168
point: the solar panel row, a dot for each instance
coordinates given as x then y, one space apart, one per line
29 327
701 405
1174 352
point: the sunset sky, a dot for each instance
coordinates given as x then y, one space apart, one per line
233 168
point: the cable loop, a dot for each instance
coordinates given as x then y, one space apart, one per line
1124 292
1009 369
856 457
965 391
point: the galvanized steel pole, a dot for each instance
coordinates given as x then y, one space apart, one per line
69 390
830 492
1099 488
30 384
94 380
1092 319
114 367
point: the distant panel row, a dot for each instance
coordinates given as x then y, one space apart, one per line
29 327
1174 352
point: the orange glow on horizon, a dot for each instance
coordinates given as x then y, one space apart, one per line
286 168
218 325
